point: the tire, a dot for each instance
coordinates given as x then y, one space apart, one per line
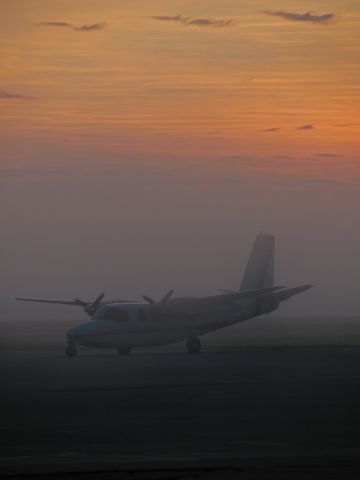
193 345
71 351
124 350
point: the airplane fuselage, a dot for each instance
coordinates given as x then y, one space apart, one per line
139 325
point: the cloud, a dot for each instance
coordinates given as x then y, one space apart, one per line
308 126
87 27
302 17
7 95
326 155
273 129
90 26
54 24
198 22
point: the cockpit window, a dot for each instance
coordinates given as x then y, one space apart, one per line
115 314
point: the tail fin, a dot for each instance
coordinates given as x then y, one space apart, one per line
259 271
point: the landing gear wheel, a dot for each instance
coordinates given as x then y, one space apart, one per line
193 345
71 350
124 350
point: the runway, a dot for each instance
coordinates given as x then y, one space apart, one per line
250 410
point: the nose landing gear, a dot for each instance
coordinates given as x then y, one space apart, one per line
193 345
71 350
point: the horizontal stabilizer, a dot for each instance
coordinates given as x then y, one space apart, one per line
226 298
290 292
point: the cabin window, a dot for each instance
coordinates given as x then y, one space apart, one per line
116 314
142 315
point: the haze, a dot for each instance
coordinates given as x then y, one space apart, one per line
144 145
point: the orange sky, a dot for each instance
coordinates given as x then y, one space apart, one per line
144 144
171 89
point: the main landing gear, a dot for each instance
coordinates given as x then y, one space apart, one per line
71 350
193 345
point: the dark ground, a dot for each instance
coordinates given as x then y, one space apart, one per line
252 414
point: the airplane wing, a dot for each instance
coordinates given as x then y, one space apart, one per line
212 301
50 300
89 307
289 292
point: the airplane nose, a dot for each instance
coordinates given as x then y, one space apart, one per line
74 333
70 335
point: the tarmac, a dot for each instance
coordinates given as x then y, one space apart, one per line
261 413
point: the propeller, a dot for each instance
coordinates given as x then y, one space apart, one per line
161 302
90 308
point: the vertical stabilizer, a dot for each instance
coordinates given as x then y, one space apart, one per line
259 271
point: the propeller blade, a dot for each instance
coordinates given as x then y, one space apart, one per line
80 302
90 308
149 299
97 302
166 298
162 301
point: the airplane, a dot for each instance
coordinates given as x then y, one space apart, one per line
124 325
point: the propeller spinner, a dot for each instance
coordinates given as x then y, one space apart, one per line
90 308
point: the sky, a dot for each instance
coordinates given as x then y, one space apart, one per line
143 145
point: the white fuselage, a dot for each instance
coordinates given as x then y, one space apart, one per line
135 325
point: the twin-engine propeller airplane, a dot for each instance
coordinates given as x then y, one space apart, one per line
124 325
